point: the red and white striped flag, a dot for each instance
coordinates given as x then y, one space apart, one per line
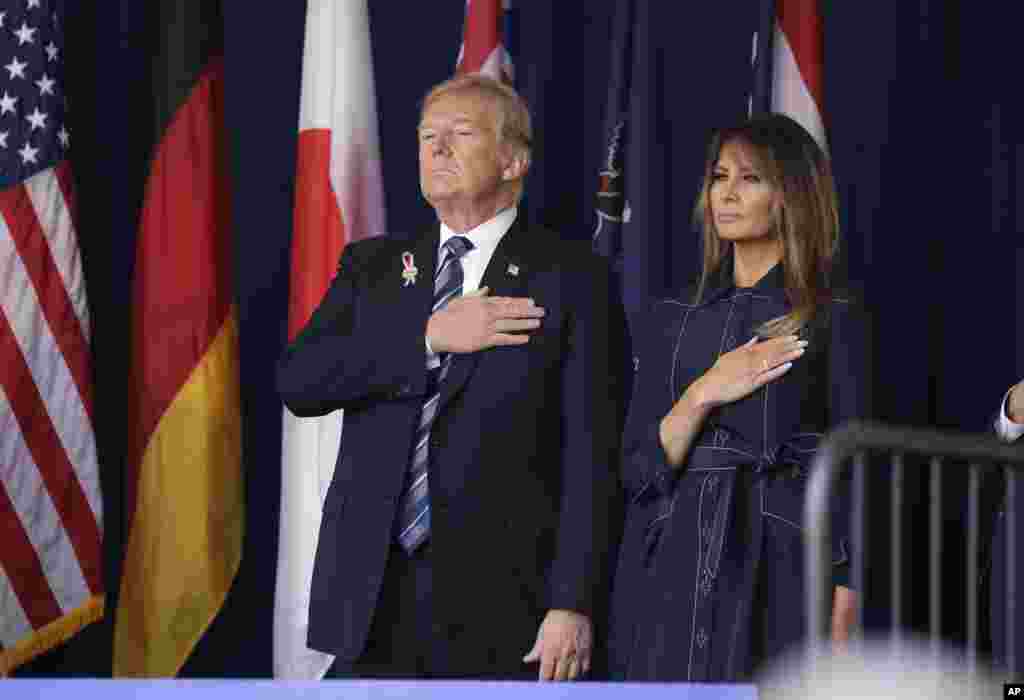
51 515
339 198
483 48
798 61
50 507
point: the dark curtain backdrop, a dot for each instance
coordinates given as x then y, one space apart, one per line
924 127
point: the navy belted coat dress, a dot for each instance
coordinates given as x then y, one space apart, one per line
709 581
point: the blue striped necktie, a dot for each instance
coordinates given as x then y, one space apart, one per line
414 513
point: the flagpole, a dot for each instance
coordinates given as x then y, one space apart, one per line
761 59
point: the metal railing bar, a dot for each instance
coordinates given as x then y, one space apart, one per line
859 438
935 556
856 436
1010 523
859 543
896 553
973 521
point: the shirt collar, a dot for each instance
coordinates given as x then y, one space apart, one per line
773 281
485 237
722 285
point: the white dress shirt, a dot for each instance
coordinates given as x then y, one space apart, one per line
485 239
1006 428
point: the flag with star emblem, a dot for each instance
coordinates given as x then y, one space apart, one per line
185 493
50 509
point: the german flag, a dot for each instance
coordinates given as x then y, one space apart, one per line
184 483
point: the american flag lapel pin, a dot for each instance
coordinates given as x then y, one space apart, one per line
513 270
409 270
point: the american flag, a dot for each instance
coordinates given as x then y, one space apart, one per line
50 507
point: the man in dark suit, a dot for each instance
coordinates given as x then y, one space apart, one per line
467 530
1009 426
1009 422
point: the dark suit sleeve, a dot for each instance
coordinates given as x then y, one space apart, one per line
644 464
993 479
349 355
591 396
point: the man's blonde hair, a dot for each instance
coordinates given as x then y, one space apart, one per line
511 115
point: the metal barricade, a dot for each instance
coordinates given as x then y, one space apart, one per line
857 441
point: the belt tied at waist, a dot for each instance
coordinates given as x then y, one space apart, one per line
794 456
791 458
785 456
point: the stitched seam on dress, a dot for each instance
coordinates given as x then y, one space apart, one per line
726 449
764 446
643 490
670 511
779 517
764 423
675 358
718 561
809 450
696 583
677 303
725 327
752 295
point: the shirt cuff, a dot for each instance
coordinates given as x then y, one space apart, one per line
1006 429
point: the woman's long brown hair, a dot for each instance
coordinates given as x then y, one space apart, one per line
807 219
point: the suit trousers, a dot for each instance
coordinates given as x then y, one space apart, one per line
405 640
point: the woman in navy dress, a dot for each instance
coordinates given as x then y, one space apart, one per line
737 380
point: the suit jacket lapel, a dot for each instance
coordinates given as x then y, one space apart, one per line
407 305
414 299
506 275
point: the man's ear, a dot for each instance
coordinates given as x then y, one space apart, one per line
517 162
